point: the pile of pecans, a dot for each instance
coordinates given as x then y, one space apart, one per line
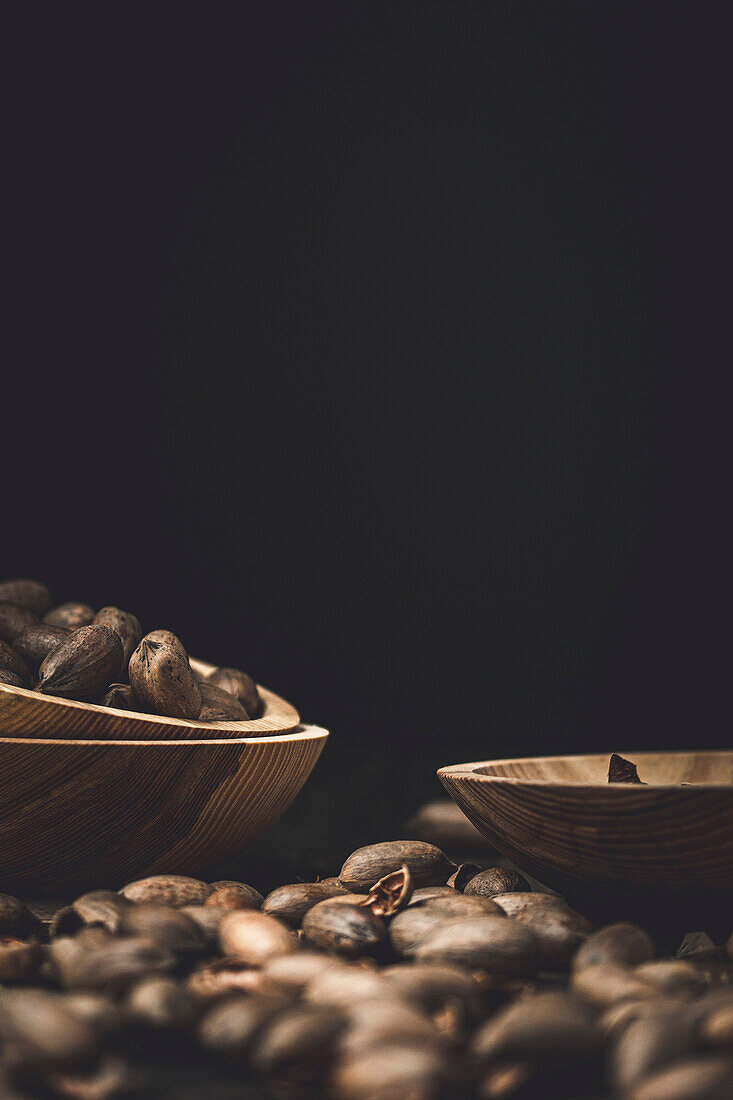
74 652
403 977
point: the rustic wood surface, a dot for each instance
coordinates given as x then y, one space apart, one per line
28 714
77 814
559 819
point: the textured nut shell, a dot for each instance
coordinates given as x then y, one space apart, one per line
83 665
496 880
290 903
126 625
347 929
174 890
428 865
163 681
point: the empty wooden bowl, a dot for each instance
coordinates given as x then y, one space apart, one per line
559 819
29 714
85 814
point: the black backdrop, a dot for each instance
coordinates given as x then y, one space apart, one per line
380 349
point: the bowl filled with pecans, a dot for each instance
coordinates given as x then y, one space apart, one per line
72 671
633 828
118 752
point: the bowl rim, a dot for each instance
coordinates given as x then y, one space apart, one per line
469 771
304 732
270 699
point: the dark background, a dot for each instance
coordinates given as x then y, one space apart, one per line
381 349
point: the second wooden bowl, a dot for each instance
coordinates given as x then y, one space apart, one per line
559 819
78 815
29 714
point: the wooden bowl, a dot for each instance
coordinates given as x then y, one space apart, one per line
28 714
77 815
559 819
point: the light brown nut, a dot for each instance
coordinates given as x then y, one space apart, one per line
428 865
623 944
126 625
218 706
559 933
231 884
254 937
485 942
83 665
174 890
240 685
103 907
290 903
408 928
496 880
348 930
229 897
163 681
70 615
166 637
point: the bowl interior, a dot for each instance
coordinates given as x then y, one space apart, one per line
654 768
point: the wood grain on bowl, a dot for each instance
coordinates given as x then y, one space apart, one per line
77 814
559 819
26 713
